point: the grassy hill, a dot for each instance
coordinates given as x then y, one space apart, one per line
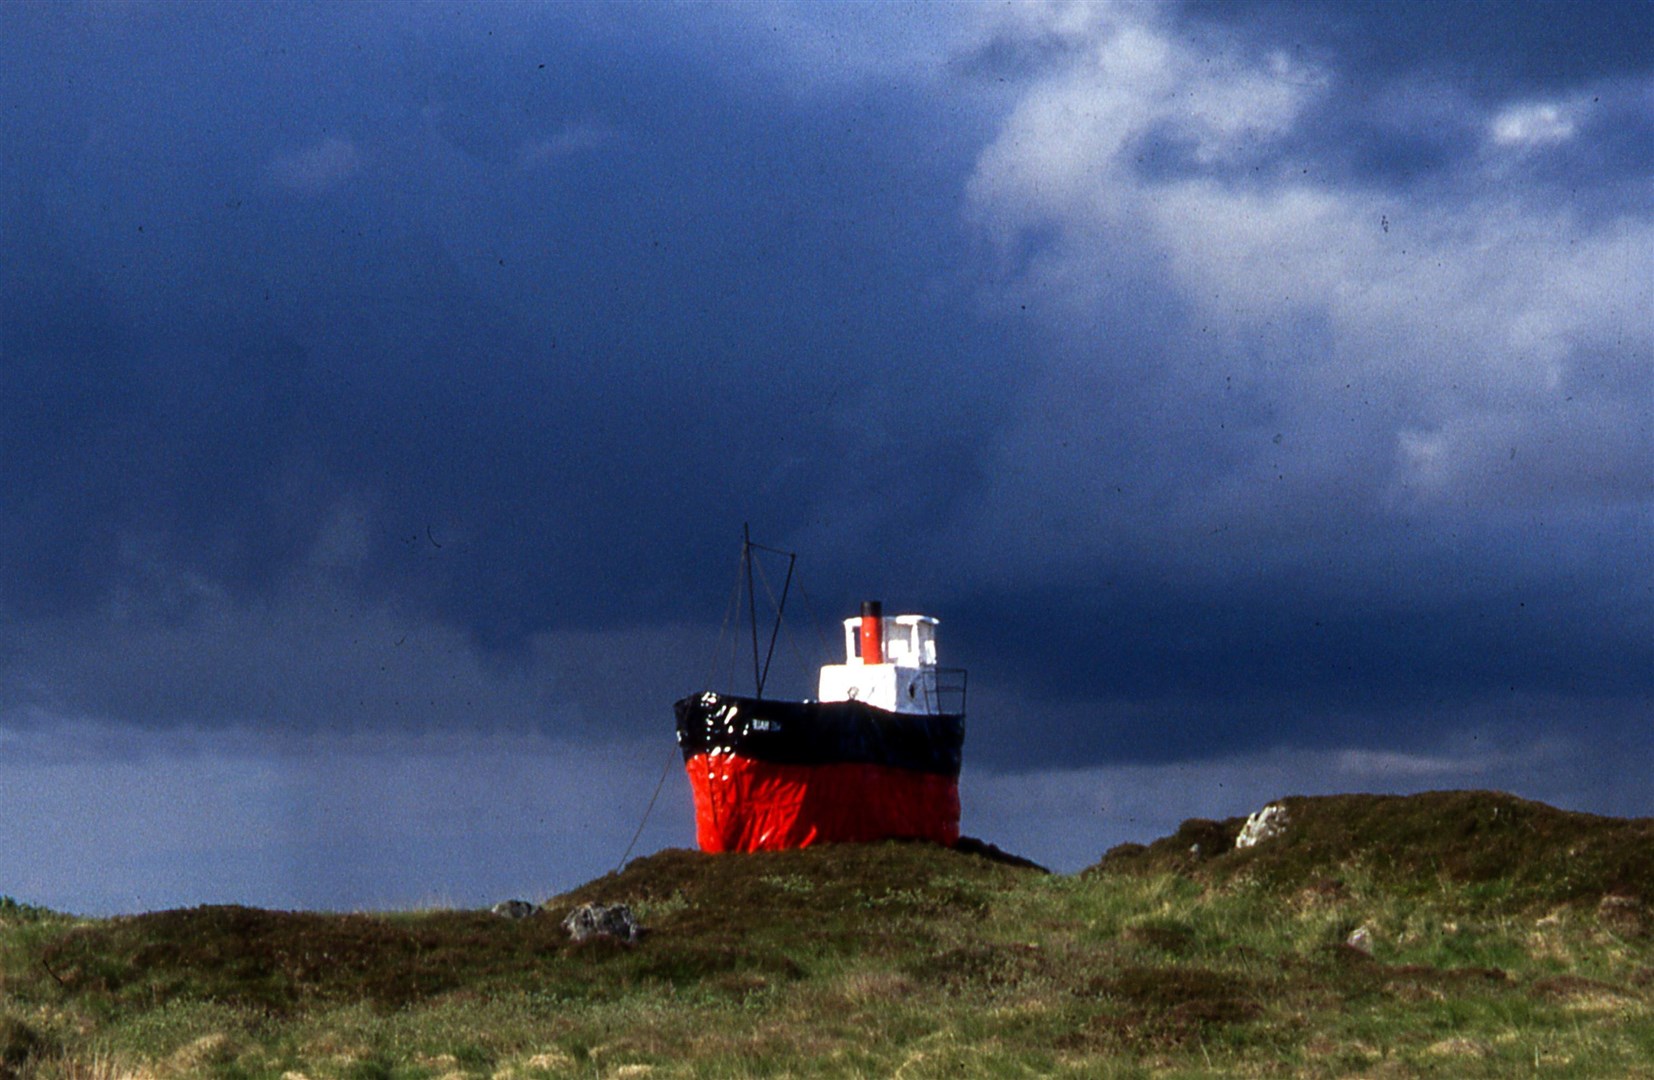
1453 934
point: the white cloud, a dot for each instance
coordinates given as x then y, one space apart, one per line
1406 343
1063 156
570 140
1534 124
319 167
806 48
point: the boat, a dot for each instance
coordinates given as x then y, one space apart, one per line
874 756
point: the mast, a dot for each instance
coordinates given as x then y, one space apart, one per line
752 605
749 550
775 631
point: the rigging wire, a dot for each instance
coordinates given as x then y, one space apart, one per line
752 604
792 639
730 614
780 609
813 617
779 606
665 771
745 568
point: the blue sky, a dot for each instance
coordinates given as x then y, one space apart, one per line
1262 394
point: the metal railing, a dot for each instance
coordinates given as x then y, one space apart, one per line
950 690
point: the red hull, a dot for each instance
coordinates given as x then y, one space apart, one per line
742 804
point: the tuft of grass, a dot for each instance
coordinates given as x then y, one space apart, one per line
14 912
20 1046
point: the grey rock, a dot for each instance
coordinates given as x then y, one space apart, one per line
1623 915
603 920
514 909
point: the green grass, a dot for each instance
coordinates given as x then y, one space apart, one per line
886 959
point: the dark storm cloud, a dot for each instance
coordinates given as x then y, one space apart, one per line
1502 44
561 315
1407 88
1224 376
1162 674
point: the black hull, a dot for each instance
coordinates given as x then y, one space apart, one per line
819 733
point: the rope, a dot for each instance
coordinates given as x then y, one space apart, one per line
659 784
813 617
730 612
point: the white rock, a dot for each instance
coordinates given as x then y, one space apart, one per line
1266 824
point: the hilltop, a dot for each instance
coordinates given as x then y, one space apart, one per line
1510 853
1458 933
